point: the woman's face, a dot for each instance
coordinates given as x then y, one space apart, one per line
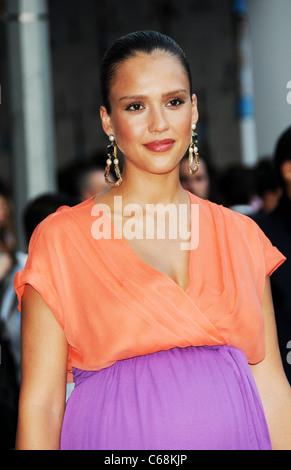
152 111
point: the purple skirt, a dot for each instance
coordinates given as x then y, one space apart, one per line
202 398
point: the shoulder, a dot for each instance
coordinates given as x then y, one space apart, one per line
228 219
64 221
237 221
231 231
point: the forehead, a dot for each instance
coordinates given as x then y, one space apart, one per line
144 71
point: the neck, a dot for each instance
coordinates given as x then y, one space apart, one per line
153 188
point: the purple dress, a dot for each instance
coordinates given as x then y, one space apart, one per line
202 398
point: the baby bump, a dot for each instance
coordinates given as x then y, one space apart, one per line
190 398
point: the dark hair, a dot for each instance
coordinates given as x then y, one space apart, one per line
282 152
127 46
266 177
237 185
40 207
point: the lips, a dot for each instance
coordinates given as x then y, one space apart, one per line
160 145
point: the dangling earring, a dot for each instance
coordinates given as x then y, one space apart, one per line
112 154
193 152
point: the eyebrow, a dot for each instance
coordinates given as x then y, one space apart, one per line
164 95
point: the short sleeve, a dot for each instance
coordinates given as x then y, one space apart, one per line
272 256
40 270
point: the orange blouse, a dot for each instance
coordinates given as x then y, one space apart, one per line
114 306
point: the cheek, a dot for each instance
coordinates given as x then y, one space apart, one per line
185 131
128 134
183 124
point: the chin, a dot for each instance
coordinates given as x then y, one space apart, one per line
163 169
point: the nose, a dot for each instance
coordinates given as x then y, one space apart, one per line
158 120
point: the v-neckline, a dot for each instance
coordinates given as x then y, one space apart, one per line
143 264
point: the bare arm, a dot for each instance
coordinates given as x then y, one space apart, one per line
43 388
272 383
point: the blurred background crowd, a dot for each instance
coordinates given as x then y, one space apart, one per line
52 147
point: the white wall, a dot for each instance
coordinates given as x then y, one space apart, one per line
270 30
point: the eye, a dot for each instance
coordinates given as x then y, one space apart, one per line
134 107
174 103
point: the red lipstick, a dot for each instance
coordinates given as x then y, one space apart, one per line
160 145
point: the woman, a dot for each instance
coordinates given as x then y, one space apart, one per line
158 337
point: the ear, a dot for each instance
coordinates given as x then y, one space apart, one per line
106 121
195 114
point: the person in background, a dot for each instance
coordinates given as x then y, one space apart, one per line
84 179
277 226
237 189
7 239
90 181
268 184
38 208
11 261
9 394
199 183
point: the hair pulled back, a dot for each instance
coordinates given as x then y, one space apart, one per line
127 46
